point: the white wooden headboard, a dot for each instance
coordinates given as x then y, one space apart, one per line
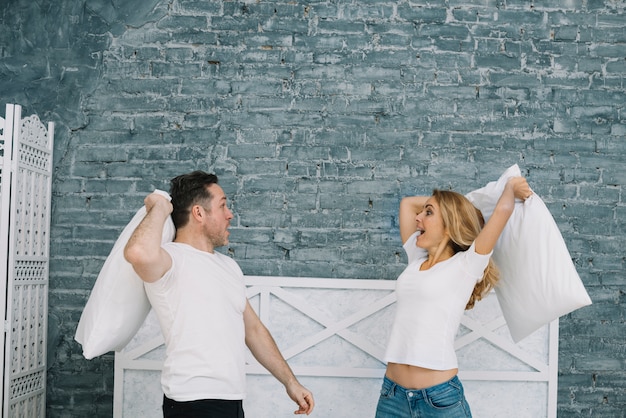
333 333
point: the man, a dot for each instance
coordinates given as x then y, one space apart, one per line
199 297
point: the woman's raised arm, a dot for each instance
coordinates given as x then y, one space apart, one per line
516 187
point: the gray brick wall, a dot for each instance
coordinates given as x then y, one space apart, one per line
318 117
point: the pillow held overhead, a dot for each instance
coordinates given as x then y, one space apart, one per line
117 305
538 280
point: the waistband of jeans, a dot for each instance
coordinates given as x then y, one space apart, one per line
419 392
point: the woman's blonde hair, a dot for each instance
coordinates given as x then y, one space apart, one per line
464 222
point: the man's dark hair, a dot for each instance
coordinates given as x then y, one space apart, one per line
187 190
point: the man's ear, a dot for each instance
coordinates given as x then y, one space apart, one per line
197 212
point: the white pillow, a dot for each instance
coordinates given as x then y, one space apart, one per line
118 304
538 280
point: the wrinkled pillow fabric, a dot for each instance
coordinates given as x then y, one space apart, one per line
538 280
117 305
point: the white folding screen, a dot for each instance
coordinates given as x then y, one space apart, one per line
25 195
6 141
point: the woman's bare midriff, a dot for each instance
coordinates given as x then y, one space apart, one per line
413 377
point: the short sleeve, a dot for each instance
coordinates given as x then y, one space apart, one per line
165 282
476 263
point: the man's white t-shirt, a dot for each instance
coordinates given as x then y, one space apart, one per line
200 303
430 304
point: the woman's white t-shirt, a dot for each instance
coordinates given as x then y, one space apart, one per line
200 303
430 304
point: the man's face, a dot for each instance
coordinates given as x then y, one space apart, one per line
218 216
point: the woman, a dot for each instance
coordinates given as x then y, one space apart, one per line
449 270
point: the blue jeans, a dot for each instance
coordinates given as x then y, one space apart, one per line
443 400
